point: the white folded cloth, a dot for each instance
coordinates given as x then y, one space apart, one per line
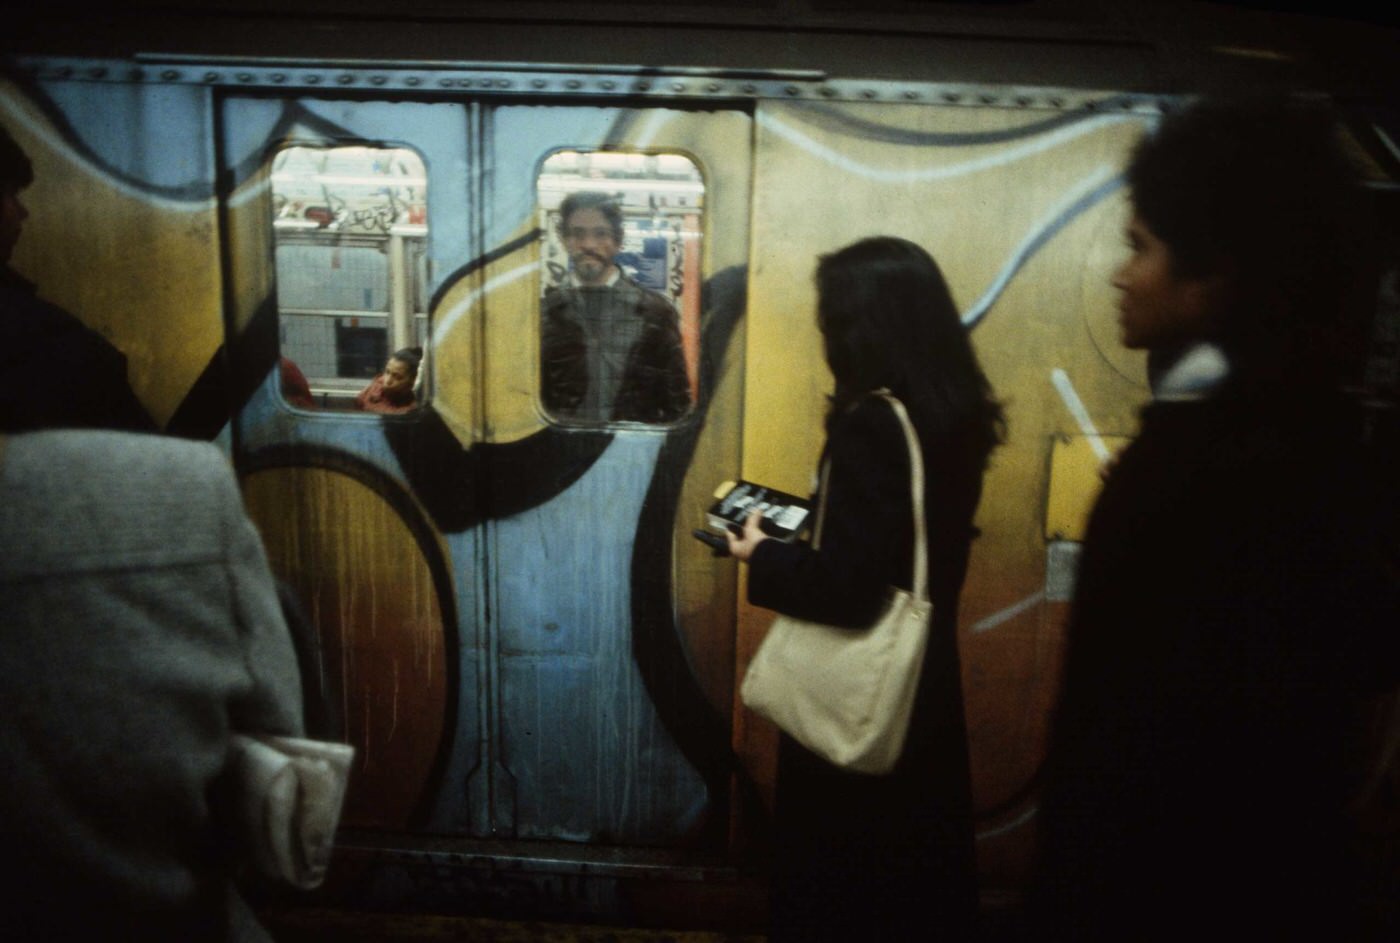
289 795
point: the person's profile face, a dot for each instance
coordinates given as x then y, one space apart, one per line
1156 306
589 240
398 377
12 217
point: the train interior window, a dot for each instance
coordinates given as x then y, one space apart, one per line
350 230
620 301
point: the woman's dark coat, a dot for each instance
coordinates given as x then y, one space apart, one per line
861 857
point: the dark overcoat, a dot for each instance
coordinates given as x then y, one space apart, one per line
861 857
1232 606
653 387
59 373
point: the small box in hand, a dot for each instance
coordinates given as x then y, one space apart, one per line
784 515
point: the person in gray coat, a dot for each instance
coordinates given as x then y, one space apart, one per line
142 630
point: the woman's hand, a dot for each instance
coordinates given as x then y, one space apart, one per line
742 547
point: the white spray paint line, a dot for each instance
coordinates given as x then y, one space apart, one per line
84 164
653 126
1035 145
1097 178
1014 824
1386 140
1009 613
246 194
457 311
1081 415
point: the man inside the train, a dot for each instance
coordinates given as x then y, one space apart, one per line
59 373
610 349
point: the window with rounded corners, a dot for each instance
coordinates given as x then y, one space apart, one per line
620 299
350 236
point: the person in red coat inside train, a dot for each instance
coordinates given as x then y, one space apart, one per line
392 390
1236 597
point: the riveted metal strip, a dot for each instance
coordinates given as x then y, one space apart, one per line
518 80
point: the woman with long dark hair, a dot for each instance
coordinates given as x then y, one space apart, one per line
884 857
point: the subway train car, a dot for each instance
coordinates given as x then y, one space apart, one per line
536 662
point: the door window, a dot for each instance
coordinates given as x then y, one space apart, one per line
620 307
350 231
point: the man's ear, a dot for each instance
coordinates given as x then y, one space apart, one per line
1203 302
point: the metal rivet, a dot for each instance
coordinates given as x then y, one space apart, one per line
826 91
279 77
608 84
412 80
748 88
573 83
1023 100
792 89
868 93
1091 106
952 97
313 80
377 80
445 83
911 95
712 87
97 72
503 83
988 99
1057 102
245 76
467 83
170 75
643 86
211 76
677 86
345 79
538 83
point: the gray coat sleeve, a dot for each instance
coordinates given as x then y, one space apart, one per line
273 704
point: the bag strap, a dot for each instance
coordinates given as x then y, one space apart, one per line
916 486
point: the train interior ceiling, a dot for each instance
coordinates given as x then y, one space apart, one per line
536 663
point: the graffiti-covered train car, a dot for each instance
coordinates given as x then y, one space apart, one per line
536 662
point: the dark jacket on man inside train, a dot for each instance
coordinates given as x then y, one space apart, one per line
58 372
612 353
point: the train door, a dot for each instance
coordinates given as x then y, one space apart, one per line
527 643
340 217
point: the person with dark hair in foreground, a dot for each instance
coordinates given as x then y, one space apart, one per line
58 372
884 857
1233 601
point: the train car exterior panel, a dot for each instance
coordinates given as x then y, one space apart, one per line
535 660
